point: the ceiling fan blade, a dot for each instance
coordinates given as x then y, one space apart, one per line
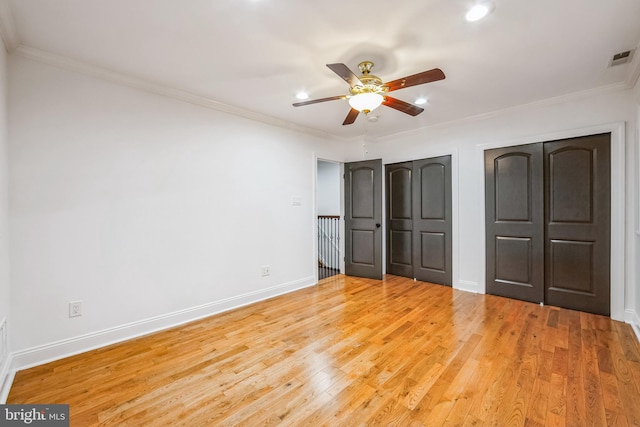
315 101
405 107
416 79
351 117
345 74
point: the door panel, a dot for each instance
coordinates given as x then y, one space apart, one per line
571 178
399 219
399 178
363 216
362 202
400 250
578 182
513 266
362 247
433 249
432 220
433 191
513 186
514 222
571 266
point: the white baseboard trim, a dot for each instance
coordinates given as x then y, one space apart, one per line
466 285
632 318
5 361
68 347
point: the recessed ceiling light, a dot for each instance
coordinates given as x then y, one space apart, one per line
420 101
477 12
302 95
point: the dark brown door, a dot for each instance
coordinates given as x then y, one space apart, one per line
399 219
432 220
548 221
514 222
577 214
419 219
363 219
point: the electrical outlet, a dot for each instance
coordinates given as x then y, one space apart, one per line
266 270
75 308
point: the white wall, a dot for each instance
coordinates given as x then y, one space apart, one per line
153 211
635 315
533 123
328 191
4 228
141 206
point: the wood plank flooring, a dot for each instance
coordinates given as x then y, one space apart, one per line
358 352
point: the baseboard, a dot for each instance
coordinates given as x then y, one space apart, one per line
68 347
632 318
5 362
468 286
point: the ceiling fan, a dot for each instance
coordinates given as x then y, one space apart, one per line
367 92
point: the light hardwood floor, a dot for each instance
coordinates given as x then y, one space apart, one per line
352 352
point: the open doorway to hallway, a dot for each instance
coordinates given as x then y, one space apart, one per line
328 195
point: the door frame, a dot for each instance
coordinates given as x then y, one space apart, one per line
314 204
618 260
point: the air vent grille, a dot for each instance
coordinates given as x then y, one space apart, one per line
621 58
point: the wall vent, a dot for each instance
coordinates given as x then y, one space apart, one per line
621 58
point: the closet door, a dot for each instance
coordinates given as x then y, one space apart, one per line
419 219
548 222
399 219
432 220
514 218
577 215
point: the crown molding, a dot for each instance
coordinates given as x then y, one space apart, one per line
85 68
602 90
60 61
8 29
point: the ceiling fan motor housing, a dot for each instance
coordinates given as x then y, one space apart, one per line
370 83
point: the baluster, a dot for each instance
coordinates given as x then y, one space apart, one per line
331 242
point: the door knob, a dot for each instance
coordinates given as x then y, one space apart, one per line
377 225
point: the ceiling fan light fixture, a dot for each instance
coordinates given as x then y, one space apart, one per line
366 102
420 101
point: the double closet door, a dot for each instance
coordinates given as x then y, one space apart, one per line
548 222
419 219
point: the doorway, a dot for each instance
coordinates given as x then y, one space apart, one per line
548 222
328 190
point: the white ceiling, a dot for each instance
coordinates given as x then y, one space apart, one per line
256 54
